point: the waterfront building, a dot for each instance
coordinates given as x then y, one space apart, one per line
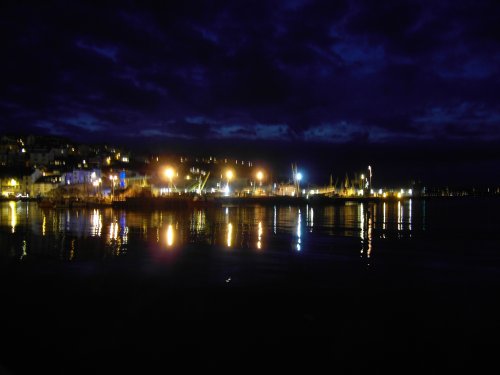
43 186
81 176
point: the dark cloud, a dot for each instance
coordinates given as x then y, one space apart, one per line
315 71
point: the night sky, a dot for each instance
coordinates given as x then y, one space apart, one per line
411 87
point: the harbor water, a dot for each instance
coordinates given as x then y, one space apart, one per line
409 285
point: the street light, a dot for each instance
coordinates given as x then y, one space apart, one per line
260 176
229 177
298 178
170 173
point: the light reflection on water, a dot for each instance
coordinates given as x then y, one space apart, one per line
13 216
259 236
95 233
170 235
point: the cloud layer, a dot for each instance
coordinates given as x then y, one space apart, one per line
313 71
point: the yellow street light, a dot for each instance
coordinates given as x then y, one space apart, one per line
229 176
169 173
260 175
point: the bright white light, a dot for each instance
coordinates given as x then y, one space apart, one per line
227 190
410 191
170 235
298 176
169 173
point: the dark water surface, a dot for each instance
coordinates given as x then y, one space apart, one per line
407 286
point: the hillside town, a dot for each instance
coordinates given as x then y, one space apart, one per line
50 167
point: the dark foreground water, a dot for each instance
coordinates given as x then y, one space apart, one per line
410 287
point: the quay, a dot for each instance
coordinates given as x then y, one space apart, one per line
188 201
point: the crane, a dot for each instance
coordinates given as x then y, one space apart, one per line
198 186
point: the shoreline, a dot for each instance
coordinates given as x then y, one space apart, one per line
187 201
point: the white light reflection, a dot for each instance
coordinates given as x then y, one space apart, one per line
369 235
96 220
259 235
299 234
409 215
274 220
361 214
384 222
361 221
125 236
113 231
400 216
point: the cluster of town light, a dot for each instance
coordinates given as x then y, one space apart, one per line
229 175
170 173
